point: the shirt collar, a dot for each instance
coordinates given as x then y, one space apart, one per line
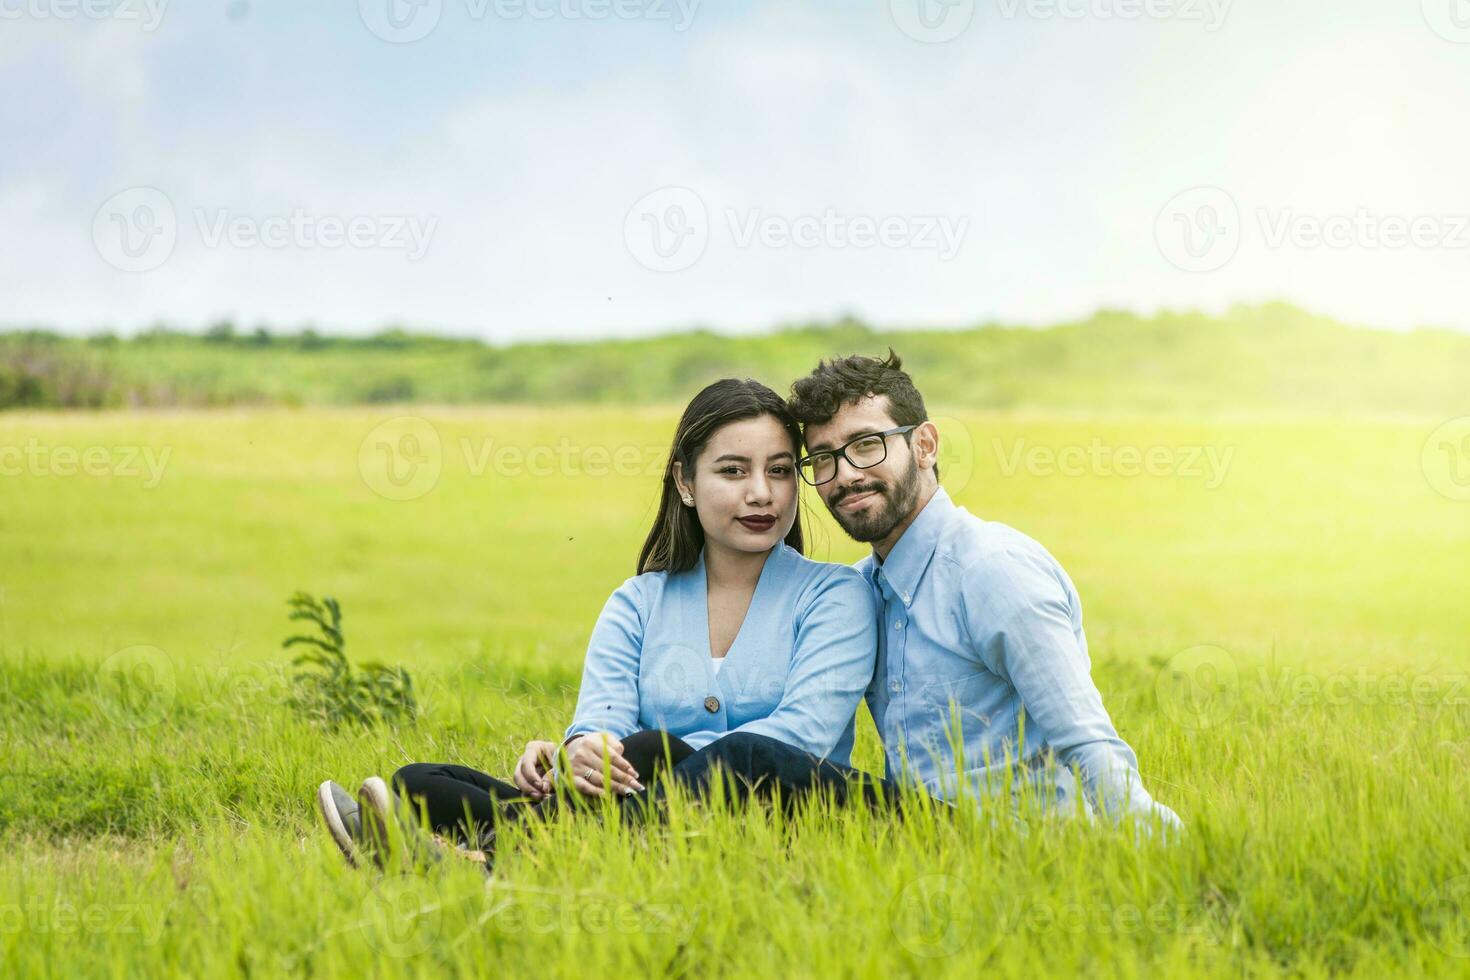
777 554
909 558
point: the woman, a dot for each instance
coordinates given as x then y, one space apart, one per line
726 628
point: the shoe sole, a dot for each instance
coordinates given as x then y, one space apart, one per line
376 804
327 807
445 846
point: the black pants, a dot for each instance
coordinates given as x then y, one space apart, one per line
467 804
760 767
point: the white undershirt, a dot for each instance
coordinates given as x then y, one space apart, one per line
718 663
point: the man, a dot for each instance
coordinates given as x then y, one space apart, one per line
982 681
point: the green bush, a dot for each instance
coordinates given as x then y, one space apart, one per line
327 688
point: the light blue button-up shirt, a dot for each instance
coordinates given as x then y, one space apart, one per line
983 671
796 671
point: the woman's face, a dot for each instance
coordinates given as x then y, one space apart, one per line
744 485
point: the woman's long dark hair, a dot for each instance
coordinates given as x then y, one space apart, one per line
675 540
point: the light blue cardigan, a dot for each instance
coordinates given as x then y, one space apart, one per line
796 671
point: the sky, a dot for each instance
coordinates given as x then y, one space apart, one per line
518 169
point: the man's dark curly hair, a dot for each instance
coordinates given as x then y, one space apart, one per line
847 380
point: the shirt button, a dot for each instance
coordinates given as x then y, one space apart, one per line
906 597
898 624
895 686
712 704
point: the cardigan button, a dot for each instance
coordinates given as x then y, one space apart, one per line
712 704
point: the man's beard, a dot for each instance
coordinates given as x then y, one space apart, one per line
878 521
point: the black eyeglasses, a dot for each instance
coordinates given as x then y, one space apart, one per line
863 452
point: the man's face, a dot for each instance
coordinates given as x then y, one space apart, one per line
868 503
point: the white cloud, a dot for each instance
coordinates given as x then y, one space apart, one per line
1057 141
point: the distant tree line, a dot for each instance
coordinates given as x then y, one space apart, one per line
1272 357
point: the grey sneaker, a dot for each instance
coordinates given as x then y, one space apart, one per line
388 822
343 818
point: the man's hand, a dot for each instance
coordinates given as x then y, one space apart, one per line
587 757
531 776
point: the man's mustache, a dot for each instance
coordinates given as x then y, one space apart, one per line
846 492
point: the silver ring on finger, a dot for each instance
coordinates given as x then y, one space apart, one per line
589 774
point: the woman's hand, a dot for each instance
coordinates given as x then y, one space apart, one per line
531 776
586 760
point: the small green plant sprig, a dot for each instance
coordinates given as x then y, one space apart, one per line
327 688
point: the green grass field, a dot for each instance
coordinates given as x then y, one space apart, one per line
1276 608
